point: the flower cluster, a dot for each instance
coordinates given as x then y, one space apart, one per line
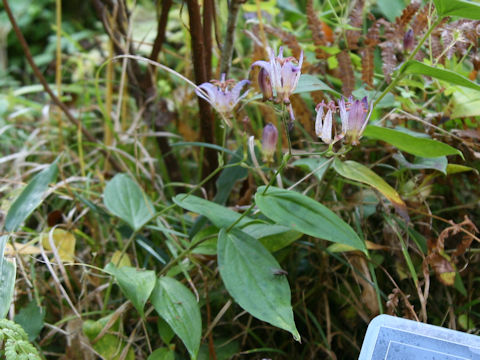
278 79
279 75
354 116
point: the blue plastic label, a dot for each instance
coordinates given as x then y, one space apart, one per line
392 338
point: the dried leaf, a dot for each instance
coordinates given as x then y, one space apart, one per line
355 20
420 22
389 59
317 29
63 240
442 264
287 39
437 47
346 74
407 15
302 113
368 65
369 296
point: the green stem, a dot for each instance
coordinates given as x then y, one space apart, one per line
110 282
285 125
285 159
405 64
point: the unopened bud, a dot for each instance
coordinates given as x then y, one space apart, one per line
408 40
265 84
269 142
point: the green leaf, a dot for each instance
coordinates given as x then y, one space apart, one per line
109 346
178 307
30 198
162 354
310 83
455 169
124 198
465 102
246 268
7 281
3 244
274 237
315 165
462 8
411 144
219 215
438 163
136 285
416 67
31 319
355 171
391 8
303 214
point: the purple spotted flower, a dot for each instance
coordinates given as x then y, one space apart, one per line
354 116
282 73
223 95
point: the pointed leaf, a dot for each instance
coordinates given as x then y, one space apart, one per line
437 163
303 214
219 215
136 285
178 307
273 236
418 146
125 199
416 67
247 270
355 171
7 281
30 198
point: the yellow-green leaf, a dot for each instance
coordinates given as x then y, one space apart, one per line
358 172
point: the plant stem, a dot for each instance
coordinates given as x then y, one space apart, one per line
110 283
287 133
285 159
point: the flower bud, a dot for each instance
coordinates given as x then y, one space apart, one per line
408 39
269 142
265 84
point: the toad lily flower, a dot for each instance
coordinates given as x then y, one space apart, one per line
282 73
223 95
323 124
354 116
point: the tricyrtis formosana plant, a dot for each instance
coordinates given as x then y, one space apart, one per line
255 179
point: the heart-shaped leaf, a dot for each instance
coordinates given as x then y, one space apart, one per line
137 285
125 199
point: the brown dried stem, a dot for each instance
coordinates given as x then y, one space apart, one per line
207 133
227 49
